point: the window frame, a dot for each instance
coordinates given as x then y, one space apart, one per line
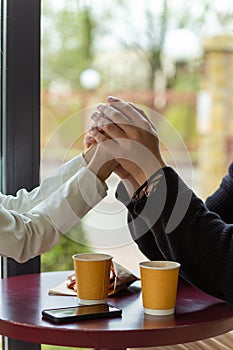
20 115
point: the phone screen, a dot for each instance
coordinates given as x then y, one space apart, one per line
81 312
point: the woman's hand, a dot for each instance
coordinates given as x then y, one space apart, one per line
90 147
98 160
102 163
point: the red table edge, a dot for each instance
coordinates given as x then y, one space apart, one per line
113 339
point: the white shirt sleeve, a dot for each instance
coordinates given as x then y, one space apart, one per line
25 235
24 200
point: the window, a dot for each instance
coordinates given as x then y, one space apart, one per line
106 44
81 64
20 113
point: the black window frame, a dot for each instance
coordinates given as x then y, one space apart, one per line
20 115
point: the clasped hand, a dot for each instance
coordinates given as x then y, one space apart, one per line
127 143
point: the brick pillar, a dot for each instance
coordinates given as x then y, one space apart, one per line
216 136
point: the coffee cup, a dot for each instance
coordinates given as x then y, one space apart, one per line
159 286
92 272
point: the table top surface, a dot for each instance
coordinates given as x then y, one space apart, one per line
197 316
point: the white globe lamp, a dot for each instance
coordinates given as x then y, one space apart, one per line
90 79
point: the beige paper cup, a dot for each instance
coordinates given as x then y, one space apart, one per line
92 272
159 286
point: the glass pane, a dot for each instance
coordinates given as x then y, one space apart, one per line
153 57
74 80
1 58
1 45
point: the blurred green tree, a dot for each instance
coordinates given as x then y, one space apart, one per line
67 43
60 257
67 49
158 19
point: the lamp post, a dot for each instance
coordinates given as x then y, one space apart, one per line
90 80
181 48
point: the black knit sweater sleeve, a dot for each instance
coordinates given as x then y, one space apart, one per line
221 201
183 229
139 229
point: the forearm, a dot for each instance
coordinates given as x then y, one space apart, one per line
24 200
72 200
26 235
184 230
139 230
144 238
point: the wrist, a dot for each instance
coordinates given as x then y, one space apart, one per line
151 168
102 170
131 185
97 171
149 186
88 153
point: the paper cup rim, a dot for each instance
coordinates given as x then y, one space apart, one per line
92 302
165 265
94 257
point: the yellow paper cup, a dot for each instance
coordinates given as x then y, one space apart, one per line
159 286
92 272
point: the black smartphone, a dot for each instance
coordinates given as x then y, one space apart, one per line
81 312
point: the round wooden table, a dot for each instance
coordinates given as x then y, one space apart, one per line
23 298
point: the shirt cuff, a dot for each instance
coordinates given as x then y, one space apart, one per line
146 189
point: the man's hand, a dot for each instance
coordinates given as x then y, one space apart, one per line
127 134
